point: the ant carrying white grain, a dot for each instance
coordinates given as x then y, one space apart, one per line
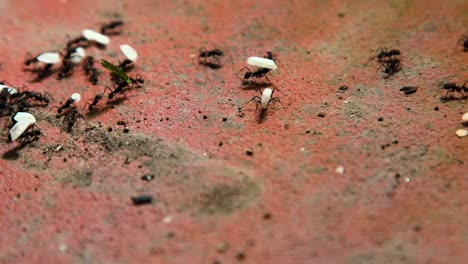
97 37
262 63
7 89
265 98
46 57
129 52
131 56
22 121
74 98
264 66
77 55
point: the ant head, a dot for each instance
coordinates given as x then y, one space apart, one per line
247 75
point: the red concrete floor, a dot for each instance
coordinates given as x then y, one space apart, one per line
213 203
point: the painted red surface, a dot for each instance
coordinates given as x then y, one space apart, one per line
285 203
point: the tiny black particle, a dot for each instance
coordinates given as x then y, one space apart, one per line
142 199
380 119
126 130
343 88
436 108
240 256
224 119
321 115
109 129
205 117
249 153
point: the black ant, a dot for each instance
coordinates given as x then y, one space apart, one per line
37 96
30 136
93 76
88 64
126 65
30 59
77 42
66 105
107 29
258 73
137 80
383 53
270 56
463 40
96 100
391 66
67 68
71 117
204 53
120 89
453 87
117 90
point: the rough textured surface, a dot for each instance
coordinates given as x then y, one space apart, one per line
402 196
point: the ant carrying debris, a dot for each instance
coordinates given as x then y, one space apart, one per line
205 54
391 66
46 57
110 28
453 87
463 41
96 100
120 75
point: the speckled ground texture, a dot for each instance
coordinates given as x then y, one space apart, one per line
286 203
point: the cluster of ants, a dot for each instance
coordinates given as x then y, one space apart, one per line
390 62
264 65
17 102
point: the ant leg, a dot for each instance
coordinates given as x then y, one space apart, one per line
267 78
274 100
381 65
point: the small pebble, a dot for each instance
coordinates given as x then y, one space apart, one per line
380 119
343 88
461 132
249 153
339 170
409 89
321 115
147 177
167 219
